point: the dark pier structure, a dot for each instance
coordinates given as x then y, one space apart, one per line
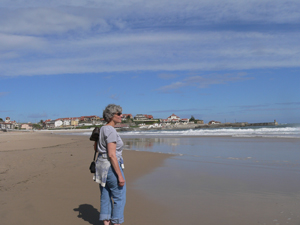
240 124
263 124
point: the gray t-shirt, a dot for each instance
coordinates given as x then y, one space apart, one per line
108 134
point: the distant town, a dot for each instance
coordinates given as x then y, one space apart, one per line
142 121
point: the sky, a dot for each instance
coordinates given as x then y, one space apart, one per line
230 61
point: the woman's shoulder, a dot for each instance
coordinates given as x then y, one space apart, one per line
108 128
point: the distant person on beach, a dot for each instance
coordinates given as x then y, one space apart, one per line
109 168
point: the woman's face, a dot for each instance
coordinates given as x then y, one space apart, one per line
117 117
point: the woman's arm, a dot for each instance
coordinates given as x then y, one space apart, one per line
111 148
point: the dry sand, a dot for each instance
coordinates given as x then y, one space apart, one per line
44 179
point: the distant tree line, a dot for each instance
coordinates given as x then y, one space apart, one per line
193 119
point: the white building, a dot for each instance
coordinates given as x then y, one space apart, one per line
7 124
58 123
185 121
214 122
140 117
173 118
66 122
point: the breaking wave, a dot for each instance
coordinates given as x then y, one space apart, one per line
275 132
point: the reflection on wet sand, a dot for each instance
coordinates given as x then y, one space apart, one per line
147 144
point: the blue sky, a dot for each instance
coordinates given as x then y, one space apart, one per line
216 60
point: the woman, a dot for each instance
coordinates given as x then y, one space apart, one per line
109 168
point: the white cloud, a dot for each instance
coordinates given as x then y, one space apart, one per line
173 86
55 37
133 52
58 16
41 21
18 42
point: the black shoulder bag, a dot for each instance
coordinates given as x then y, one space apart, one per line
94 137
93 164
95 134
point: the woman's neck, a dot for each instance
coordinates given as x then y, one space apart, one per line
111 123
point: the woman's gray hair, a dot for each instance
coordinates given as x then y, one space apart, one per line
110 111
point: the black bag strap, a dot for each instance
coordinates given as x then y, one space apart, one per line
95 155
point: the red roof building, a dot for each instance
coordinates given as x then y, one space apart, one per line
173 118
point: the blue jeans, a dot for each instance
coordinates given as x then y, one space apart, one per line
113 211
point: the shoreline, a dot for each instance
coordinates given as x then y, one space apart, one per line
293 132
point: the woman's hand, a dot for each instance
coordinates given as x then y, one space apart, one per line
121 181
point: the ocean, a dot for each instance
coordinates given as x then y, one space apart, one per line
280 131
244 145
277 146
272 147
246 175
225 175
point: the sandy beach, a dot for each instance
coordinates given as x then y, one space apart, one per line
44 179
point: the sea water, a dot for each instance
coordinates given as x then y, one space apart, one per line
255 146
269 145
280 131
244 175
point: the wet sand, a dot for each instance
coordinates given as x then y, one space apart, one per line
44 179
221 194
212 180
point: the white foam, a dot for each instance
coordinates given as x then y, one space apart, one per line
282 132
266 132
